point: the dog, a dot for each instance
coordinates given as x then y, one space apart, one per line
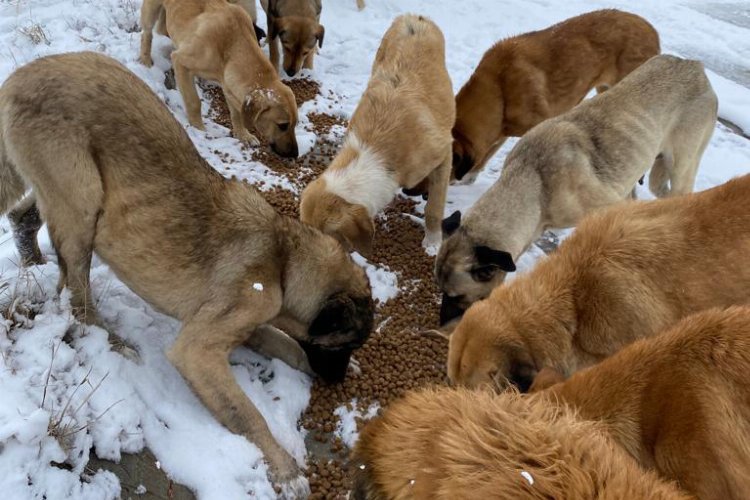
248 5
295 24
663 113
455 443
114 173
523 80
214 40
409 94
626 273
679 403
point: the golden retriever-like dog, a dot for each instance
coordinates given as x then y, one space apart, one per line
626 273
679 402
214 40
526 79
114 173
409 95
447 444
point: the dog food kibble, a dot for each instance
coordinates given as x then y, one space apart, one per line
396 358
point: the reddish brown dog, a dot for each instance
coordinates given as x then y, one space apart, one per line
523 80
678 402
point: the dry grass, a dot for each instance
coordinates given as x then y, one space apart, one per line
35 33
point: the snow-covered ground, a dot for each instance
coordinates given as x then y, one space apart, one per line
59 398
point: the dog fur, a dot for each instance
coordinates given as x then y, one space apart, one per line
523 80
663 113
409 94
248 5
295 25
214 40
454 443
679 403
113 172
625 273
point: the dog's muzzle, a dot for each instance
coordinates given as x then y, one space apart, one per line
451 308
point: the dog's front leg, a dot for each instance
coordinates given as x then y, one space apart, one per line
201 353
433 211
239 131
186 85
273 50
149 14
274 343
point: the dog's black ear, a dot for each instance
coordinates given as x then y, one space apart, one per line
319 34
451 223
259 33
486 256
335 316
343 320
522 375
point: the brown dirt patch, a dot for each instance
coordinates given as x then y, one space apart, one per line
395 358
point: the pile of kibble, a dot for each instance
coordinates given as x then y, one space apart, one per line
397 357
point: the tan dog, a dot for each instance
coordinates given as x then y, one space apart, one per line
215 40
409 94
296 25
576 163
248 5
455 444
626 273
526 79
679 402
114 173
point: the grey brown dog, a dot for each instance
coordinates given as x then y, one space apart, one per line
662 114
295 25
214 39
114 173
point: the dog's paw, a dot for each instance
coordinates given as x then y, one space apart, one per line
246 137
146 60
431 243
296 488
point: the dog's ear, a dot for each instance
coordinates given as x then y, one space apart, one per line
522 375
319 34
451 223
255 103
463 157
275 27
259 33
486 256
547 377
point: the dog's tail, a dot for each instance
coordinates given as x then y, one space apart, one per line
658 179
12 186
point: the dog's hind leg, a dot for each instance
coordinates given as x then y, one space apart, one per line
186 85
150 11
438 189
658 178
200 354
25 222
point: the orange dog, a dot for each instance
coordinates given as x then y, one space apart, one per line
456 444
679 402
523 80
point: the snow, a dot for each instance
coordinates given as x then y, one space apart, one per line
346 428
96 398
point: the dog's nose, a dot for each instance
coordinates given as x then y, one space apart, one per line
290 71
291 151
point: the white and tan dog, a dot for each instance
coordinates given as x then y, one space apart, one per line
409 95
214 40
661 114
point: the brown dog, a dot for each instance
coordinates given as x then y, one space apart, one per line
454 444
214 40
626 273
679 402
523 80
113 172
409 95
296 24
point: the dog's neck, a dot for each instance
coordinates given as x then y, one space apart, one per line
360 176
508 216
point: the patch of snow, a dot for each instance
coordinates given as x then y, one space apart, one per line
383 281
346 428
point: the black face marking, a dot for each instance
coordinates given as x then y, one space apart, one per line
328 364
451 223
486 256
450 309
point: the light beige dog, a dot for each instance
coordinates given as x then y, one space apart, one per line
679 403
409 95
113 172
448 444
569 166
214 40
625 274
295 25
248 5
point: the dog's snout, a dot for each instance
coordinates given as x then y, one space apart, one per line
451 308
289 151
290 71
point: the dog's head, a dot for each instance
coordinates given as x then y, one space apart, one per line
273 113
349 223
488 349
463 155
298 36
465 270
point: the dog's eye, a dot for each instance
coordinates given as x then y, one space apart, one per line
283 126
484 273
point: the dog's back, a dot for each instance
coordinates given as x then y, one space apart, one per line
679 402
455 443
